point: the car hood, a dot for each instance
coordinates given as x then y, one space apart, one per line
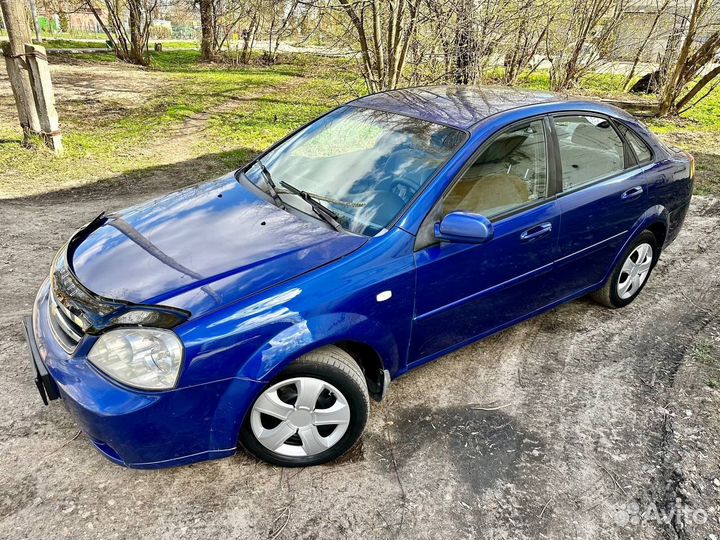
202 247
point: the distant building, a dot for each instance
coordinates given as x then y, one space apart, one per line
78 20
83 20
638 22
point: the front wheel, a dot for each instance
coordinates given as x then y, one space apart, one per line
314 412
631 273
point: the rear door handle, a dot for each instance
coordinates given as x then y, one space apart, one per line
536 232
632 193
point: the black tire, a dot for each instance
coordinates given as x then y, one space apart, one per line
336 367
608 295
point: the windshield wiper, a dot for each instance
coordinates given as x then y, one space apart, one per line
322 211
272 189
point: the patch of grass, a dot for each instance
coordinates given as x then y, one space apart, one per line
712 383
72 44
124 143
705 114
99 42
603 83
253 128
172 44
704 352
105 137
257 106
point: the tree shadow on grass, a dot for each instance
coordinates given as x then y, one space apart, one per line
143 183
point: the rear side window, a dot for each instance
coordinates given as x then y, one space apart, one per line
642 152
590 149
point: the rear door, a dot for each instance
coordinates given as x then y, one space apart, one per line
603 194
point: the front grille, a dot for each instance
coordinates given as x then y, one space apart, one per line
66 327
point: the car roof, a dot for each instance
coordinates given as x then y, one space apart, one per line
457 106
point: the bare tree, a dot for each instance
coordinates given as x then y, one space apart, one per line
527 31
285 19
578 41
440 54
466 43
249 38
696 53
130 43
208 49
661 8
382 30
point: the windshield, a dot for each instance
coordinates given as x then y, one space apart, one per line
363 165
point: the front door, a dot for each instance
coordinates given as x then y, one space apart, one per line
465 291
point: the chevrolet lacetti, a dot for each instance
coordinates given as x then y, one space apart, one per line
265 308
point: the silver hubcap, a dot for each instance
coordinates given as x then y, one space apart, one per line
635 271
302 416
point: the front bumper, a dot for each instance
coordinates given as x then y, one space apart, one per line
133 428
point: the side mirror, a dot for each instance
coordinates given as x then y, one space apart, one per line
464 227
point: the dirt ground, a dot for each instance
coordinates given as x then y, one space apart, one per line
581 423
565 426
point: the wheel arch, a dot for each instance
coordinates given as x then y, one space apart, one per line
369 342
371 363
656 219
371 345
659 229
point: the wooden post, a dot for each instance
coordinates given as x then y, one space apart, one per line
16 21
44 96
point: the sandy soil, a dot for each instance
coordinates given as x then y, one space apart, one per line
108 90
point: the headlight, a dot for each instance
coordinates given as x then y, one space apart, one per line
144 358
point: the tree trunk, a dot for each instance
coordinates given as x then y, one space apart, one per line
702 83
369 74
672 86
16 22
207 22
249 39
137 43
36 22
464 44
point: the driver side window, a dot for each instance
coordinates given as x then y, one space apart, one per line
511 172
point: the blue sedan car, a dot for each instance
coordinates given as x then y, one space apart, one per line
266 308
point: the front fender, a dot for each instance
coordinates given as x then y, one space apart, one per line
315 332
285 347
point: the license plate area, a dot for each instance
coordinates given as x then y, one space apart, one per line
45 384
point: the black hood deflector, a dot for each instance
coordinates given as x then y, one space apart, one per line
98 312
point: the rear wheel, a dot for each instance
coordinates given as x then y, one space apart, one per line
314 412
631 273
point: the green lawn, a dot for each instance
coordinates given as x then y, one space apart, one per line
242 111
705 115
248 108
72 44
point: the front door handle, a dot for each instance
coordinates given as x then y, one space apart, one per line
538 231
632 193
